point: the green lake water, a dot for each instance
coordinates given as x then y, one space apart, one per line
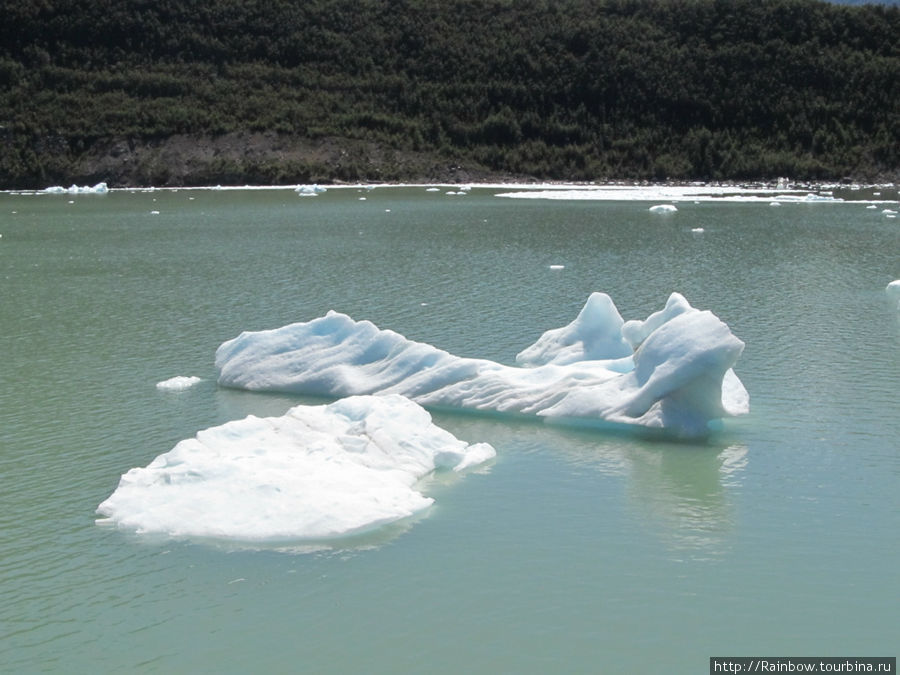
572 552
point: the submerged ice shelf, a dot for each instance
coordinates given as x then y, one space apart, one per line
672 371
316 472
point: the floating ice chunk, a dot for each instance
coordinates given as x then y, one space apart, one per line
774 203
317 472
309 190
595 334
337 356
682 379
893 291
663 208
432 189
98 189
697 230
178 383
888 212
557 267
810 197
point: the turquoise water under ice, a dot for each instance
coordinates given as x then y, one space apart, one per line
573 551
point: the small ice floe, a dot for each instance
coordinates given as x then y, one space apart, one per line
309 190
889 212
317 472
663 208
774 203
871 206
697 230
362 199
432 189
557 267
178 383
154 213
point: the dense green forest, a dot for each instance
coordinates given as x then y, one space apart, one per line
284 91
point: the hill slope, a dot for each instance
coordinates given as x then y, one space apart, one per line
282 91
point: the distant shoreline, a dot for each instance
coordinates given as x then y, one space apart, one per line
718 191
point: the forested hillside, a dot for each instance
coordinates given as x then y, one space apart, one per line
285 91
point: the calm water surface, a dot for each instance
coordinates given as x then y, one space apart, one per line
571 552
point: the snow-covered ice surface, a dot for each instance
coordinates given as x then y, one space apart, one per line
317 472
672 371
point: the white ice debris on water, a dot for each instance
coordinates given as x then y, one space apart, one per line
316 472
663 208
309 190
672 371
98 189
178 383
893 292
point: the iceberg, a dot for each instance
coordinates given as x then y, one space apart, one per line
98 189
309 190
663 208
315 473
893 291
672 371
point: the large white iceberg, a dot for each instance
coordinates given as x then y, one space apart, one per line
316 472
678 376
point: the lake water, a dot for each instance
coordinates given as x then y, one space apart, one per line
573 551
